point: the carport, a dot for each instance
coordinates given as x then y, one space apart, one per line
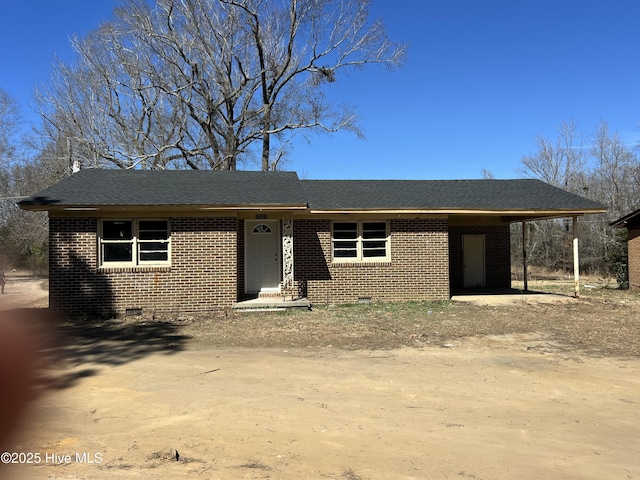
480 251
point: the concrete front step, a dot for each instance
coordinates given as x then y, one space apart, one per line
270 304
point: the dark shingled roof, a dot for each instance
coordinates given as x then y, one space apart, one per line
628 218
104 188
522 194
172 187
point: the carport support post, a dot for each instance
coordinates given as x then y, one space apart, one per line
576 259
525 273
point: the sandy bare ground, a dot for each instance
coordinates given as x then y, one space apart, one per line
516 405
22 290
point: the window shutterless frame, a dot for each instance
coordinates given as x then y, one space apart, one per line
134 242
360 241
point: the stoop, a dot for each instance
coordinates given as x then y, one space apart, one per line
271 303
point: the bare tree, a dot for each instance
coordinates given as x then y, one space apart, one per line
211 83
614 182
614 179
487 174
561 162
103 110
23 237
605 170
10 122
9 131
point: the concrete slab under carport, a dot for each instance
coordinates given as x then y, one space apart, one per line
508 296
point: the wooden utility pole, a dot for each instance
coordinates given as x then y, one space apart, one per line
576 259
525 273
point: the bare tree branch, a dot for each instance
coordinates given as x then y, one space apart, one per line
210 83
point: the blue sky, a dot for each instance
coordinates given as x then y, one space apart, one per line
482 80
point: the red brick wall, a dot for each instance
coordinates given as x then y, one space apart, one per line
206 271
418 269
201 278
497 255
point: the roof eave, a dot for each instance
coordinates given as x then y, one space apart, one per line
511 215
156 208
623 221
515 214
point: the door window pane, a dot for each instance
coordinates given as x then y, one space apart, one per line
261 228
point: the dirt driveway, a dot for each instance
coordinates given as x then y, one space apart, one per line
22 290
165 400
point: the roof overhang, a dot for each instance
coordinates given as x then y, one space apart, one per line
508 216
158 208
623 221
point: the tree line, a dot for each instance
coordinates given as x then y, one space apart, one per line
601 166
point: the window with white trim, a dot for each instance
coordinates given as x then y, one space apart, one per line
361 241
130 243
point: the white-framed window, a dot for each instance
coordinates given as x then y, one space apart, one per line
130 243
360 241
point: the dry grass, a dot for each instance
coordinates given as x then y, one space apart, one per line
602 322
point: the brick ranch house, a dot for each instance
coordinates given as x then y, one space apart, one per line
197 241
631 222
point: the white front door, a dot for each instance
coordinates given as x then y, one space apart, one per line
262 256
473 258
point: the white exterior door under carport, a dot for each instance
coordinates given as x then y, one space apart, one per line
474 261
